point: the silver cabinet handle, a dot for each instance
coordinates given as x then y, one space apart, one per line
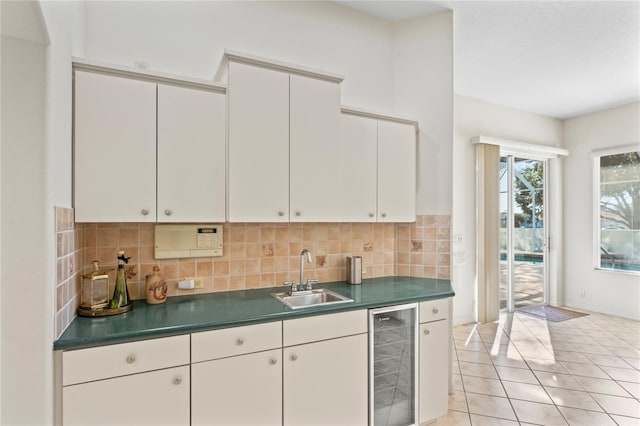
435 310
426 331
239 341
144 212
384 215
131 358
273 361
177 380
371 214
168 212
298 213
280 213
293 357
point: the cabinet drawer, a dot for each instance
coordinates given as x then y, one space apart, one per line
235 341
153 398
84 365
434 310
322 327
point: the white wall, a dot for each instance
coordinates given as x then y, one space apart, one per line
38 41
65 25
26 332
473 118
606 292
188 38
423 90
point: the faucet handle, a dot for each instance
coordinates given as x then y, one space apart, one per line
310 283
291 284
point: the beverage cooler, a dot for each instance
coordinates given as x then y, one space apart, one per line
393 354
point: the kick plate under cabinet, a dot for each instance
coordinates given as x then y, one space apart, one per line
180 241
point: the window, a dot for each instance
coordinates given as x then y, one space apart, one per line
617 177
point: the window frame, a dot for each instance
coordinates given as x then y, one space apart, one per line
596 155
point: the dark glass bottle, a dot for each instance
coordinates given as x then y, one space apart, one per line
121 293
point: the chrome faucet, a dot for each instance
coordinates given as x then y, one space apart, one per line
302 253
301 288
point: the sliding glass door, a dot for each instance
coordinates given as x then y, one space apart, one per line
523 234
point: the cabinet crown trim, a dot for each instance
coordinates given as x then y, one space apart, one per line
147 75
378 116
245 58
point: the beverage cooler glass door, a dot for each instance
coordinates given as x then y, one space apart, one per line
393 353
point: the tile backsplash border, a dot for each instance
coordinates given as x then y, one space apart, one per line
255 255
69 264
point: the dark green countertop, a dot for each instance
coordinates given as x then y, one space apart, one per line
186 314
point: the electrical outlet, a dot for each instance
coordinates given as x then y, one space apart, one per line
199 281
582 294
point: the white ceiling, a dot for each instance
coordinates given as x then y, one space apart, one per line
556 58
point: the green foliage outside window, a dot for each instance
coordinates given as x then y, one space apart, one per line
620 211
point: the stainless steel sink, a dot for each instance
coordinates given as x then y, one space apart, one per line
310 298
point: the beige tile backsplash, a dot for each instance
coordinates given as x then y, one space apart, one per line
255 254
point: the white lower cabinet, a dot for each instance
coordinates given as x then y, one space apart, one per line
153 398
325 370
325 383
434 362
240 390
305 371
144 382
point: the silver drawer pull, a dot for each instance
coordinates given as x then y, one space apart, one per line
426 331
144 212
293 357
371 214
435 310
239 341
131 359
273 361
168 212
177 380
280 213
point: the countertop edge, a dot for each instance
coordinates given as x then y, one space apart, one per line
84 342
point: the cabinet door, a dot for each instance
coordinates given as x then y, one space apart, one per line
114 149
258 108
315 178
191 155
359 165
434 369
396 172
155 398
325 383
241 390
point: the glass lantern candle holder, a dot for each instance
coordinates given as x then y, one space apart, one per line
94 291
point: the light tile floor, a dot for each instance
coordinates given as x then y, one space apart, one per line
524 370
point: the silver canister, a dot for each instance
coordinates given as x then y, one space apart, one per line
354 269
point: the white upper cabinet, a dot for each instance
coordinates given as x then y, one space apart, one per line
378 169
147 152
283 141
191 155
258 108
114 149
396 172
314 164
359 157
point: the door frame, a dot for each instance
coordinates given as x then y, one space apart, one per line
487 305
